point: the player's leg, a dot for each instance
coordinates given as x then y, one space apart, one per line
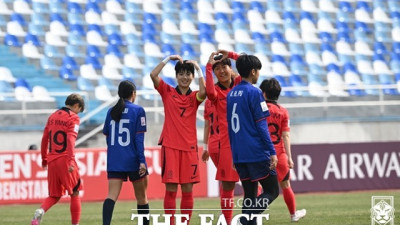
290 200
226 202
114 188
141 197
270 192
46 205
170 200
75 208
187 201
250 194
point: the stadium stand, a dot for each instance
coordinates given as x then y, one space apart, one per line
328 48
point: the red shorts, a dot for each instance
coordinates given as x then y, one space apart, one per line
225 171
61 180
179 167
214 158
282 168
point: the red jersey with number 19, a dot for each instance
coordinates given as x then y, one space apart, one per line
278 122
179 130
59 136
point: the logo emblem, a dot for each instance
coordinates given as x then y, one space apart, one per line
382 211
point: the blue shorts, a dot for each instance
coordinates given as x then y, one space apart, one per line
133 176
254 171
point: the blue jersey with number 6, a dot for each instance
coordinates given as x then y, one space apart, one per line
125 139
248 128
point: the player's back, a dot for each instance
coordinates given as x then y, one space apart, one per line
245 107
278 122
62 130
122 154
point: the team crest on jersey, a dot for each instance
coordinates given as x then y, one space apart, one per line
264 106
143 121
76 128
125 111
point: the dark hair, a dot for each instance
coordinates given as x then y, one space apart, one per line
183 67
125 90
223 62
246 63
271 88
74 98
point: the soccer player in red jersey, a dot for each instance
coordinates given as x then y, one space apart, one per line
278 126
58 158
211 133
179 138
217 94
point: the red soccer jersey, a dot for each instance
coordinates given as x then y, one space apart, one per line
210 114
59 136
278 122
217 94
179 130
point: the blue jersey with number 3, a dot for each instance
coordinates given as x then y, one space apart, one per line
248 128
125 148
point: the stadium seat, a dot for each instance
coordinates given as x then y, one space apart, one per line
114 7
67 74
111 73
151 7
94 38
22 7
4 10
70 63
102 93
73 7
14 28
130 73
6 75
48 64
87 71
327 6
36 29
106 82
93 61
75 18
31 51
112 61
84 84
40 93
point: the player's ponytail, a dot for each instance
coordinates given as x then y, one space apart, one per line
125 91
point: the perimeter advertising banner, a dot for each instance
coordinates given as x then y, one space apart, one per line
319 167
22 180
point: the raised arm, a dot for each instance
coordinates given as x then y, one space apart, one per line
226 54
210 88
156 71
201 95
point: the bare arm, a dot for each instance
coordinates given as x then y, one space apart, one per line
156 71
205 155
286 142
201 95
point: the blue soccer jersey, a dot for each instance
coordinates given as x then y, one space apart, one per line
248 128
125 139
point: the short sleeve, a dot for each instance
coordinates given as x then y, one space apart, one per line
259 106
161 87
141 124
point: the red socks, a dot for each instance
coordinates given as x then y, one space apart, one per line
48 203
75 208
227 204
187 204
290 201
170 204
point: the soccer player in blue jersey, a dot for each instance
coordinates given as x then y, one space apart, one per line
124 127
253 152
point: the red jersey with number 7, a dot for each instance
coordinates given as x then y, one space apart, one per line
59 136
180 110
278 122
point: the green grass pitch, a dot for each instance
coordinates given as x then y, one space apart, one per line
322 208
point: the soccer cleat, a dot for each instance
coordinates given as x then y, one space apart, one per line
37 217
298 215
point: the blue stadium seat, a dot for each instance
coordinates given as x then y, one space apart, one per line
150 18
130 73
188 52
74 51
115 39
222 17
361 26
345 6
205 28
243 48
33 39
363 5
168 38
189 38
48 64
94 62
36 29
296 48
132 39
149 29
92 6
134 18
57 17
74 7
394 5
291 6
186 6
169 6
106 82
276 36
238 6
274 5
113 49
333 67
11 40
57 7
20 82
93 51
77 29
40 7
282 81
396 47
326 37
256 5
168 49
240 17
344 17
297 65
258 37
75 18
95 27
171 81
111 28
290 17
84 84
19 18
70 63
76 39
204 37
67 74
52 52
379 48
342 26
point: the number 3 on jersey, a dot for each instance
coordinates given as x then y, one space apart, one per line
121 131
235 120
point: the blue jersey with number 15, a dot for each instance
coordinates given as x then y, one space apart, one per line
248 128
125 139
